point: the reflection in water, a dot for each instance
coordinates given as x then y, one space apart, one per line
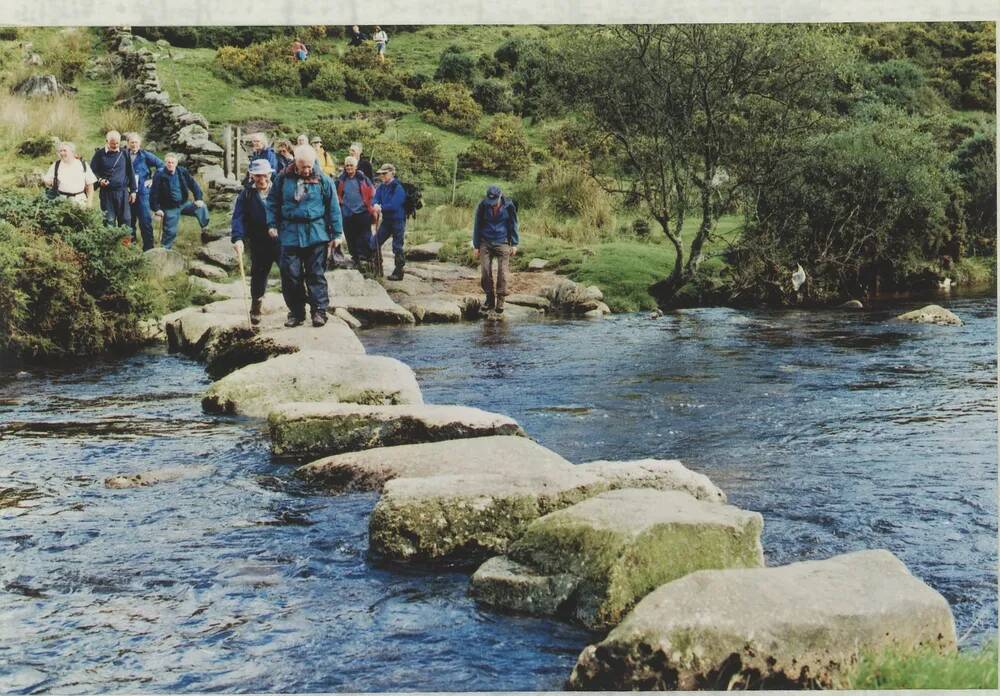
845 431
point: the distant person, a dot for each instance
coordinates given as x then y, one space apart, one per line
389 206
356 36
364 164
381 39
116 179
260 151
249 225
326 161
70 177
355 191
283 152
144 165
299 50
168 196
494 236
302 140
303 212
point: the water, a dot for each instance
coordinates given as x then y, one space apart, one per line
844 430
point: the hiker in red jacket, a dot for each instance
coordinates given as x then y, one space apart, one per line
355 191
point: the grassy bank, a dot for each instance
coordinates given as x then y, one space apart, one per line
973 669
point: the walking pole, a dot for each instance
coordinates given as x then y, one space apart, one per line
243 284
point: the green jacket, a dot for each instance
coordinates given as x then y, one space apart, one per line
313 219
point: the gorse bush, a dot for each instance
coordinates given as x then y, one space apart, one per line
37 146
329 83
449 105
67 284
501 148
356 86
495 96
455 66
267 64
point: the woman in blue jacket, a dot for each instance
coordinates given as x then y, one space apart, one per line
250 225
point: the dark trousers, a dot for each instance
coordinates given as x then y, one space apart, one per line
263 255
302 279
114 203
143 216
501 252
395 229
358 232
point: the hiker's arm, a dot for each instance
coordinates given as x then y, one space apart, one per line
273 207
237 232
50 176
334 219
514 229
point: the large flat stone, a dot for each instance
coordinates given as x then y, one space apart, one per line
164 262
441 271
788 627
424 252
660 474
207 270
618 546
433 309
365 299
320 429
311 375
191 332
409 285
221 253
234 289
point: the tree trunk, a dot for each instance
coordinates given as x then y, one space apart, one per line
707 223
663 290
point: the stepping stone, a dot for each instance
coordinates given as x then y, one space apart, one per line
320 429
533 301
164 262
409 285
659 474
155 476
206 270
424 252
220 252
433 309
365 299
931 314
790 627
537 264
611 550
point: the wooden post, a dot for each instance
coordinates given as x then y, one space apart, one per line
454 181
227 138
237 152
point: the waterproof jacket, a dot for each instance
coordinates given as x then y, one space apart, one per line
116 167
392 198
250 218
266 154
495 224
314 219
366 186
159 193
144 165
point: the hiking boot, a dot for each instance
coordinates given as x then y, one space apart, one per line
499 307
294 321
255 308
397 273
490 303
318 319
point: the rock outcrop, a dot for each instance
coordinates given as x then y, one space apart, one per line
164 262
788 627
931 314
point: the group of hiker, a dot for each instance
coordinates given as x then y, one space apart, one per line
356 37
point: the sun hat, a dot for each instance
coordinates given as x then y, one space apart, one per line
386 168
260 166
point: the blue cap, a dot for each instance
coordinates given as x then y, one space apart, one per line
260 166
493 192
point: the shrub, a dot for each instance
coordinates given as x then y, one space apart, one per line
213 37
36 146
123 120
641 228
265 63
495 96
341 133
449 105
10 33
365 58
455 66
976 165
356 87
67 285
501 148
489 66
510 52
570 193
309 70
329 84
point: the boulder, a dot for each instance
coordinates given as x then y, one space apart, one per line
659 474
311 375
533 301
271 304
233 289
573 298
320 429
207 270
433 309
611 550
191 137
155 476
40 86
220 252
537 264
441 271
346 317
424 252
409 285
192 332
365 299
852 304
164 262
931 314
788 627
238 347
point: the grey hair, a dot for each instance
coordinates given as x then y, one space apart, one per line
108 135
305 153
263 138
67 144
129 136
302 139
352 161
357 146
177 158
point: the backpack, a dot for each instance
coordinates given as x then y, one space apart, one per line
414 200
53 192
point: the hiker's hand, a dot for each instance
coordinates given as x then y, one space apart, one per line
336 243
238 246
158 213
378 209
199 204
149 183
475 252
131 198
513 251
272 233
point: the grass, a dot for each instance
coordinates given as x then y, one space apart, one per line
975 669
420 50
975 271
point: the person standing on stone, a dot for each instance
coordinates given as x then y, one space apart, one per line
70 177
355 192
249 225
495 236
326 161
389 208
168 196
304 213
260 151
364 164
113 169
144 165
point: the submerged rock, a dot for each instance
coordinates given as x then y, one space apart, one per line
851 304
788 627
611 550
319 429
154 476
931 314
311 375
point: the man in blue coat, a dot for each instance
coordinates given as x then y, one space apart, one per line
303 212
113 169
261 151
495 236
144 165
168 196
250 225
390 206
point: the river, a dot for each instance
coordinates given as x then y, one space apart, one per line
845 430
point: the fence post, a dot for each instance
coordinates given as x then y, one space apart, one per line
237 151
454 180
227 137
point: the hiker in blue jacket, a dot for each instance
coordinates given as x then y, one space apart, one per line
168 196
249 225
258 141
113 169
144 165
304 214
389 205
495 236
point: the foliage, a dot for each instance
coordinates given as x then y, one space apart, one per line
215 36
495 96
455 66
340 133
67 284
449 105
9 33
266 63
36 146
976 165
329 83
569 193
925 669
418 161
123 120
501 148
902 84
356 86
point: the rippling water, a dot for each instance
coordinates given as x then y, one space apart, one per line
846 431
